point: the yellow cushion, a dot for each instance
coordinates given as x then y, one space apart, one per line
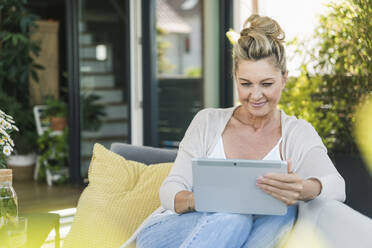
120 195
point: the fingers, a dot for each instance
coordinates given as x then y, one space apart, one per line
295 186
284 192
282 198
284 187
289 162
287 178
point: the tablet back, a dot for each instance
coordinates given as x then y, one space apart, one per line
229 185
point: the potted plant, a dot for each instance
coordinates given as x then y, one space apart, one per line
56 110
17 52
53 156
7 126
92 112
8 199
23 158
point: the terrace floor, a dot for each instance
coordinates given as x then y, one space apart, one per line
36 197
39 197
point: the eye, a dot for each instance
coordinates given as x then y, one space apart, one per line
245 84
267 84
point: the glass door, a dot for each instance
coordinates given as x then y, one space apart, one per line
179 26
103 33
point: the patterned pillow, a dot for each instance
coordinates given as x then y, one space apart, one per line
120 195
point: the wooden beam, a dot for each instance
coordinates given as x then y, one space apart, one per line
255 7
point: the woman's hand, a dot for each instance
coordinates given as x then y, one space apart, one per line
184 202
289 188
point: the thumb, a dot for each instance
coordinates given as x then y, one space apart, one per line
289 162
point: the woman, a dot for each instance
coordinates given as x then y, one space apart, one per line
254 130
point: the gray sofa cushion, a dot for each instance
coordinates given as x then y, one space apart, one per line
333 222
144 154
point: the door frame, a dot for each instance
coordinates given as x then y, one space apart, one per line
73 71
136 103
149 73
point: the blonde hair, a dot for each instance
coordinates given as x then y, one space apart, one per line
261 37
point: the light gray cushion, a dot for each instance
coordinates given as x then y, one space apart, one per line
334 222
144 154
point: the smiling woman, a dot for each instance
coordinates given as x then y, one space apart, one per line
255 130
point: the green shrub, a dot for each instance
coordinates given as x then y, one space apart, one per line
53 152
302 97
55 107
335 74
17 53
194 72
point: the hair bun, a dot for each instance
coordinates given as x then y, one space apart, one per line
258 26
261 37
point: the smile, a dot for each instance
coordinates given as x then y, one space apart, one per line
258 105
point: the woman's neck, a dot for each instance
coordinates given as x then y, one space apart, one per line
257 122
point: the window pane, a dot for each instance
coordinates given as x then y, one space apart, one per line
179 63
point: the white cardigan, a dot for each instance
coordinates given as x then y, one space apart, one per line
301 143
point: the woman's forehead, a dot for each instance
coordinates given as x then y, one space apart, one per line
257 68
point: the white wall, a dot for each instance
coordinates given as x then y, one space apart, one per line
297 18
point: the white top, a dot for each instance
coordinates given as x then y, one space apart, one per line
219 151
300 143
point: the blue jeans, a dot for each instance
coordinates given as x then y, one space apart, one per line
200 229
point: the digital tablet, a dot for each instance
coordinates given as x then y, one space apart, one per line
229 185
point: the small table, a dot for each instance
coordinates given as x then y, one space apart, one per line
38 228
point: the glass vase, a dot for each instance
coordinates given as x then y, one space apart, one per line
8 204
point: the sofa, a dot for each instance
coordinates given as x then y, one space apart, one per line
320 222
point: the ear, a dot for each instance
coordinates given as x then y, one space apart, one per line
285 78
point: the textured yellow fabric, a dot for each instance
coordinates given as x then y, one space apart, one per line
120 195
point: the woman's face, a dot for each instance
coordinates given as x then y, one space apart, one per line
259 85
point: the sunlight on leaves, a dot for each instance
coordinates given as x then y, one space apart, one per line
363 130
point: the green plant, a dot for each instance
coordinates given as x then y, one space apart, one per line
92 111
194 72
17 52
340 66
302 97
53 152
162 45
7 126
55 108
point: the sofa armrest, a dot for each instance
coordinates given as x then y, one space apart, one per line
333 222
144 154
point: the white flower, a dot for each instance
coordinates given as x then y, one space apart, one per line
4 133
7 150
10 141
8 126
15 128
10 147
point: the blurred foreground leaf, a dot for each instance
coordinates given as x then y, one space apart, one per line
363 130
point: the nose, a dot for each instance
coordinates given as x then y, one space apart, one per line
256 93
